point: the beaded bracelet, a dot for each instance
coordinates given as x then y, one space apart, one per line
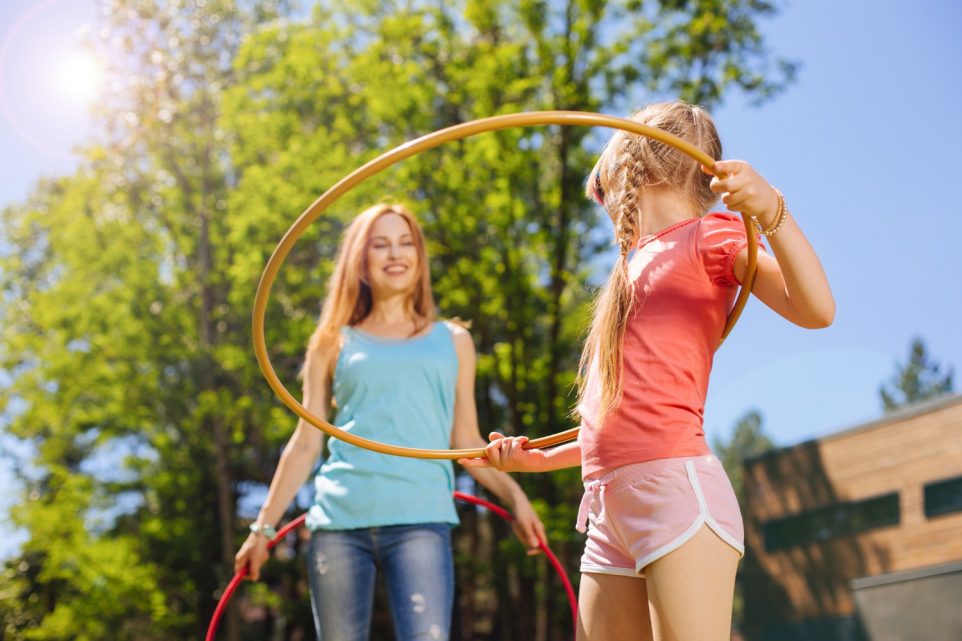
264 530
780 216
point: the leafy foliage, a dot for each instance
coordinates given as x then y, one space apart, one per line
748 439
127 286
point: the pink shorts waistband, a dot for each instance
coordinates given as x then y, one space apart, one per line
618 477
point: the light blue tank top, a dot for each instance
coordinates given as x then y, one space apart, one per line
399 392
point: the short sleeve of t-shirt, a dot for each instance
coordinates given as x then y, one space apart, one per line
719 239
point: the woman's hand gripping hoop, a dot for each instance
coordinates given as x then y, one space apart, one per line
430 141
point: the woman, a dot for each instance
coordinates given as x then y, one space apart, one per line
396 374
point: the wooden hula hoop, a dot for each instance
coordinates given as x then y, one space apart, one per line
411 148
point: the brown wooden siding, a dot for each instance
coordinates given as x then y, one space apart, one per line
900 454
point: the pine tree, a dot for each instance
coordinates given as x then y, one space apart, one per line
917 380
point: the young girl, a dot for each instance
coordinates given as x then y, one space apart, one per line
664 529
400 376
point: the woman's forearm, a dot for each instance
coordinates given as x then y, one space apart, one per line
295 465
499 484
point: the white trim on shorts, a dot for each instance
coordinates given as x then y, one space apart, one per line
591 568
704 518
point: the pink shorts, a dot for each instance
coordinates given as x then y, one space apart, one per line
638 513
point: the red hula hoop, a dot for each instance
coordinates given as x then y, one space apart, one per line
467 498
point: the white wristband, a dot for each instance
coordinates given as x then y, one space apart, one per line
264 530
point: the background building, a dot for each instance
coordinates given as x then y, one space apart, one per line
858 535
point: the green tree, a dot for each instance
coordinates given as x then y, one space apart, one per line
512 235
85 586
917 380
127 287
748 439
75 335
115 321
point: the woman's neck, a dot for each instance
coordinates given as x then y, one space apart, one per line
391 311
661 208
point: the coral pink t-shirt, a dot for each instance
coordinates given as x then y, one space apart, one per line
685 285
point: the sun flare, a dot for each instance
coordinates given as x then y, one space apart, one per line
80 78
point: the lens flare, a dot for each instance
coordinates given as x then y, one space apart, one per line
80 78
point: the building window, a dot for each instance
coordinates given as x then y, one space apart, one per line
825 523
943 497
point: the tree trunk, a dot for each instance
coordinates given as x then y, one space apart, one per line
222 478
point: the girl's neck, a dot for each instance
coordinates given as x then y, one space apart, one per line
661 208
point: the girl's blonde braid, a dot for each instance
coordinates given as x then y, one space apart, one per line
630 177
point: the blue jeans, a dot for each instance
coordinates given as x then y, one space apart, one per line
418 569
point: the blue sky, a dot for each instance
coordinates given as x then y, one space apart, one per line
863 145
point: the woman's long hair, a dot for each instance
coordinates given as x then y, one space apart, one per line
349 299
629 164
